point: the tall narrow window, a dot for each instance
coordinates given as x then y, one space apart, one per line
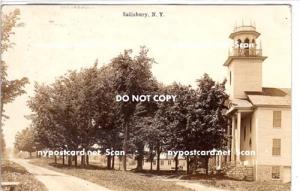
247 47
169 162
275 172
276 119
230 77
276 149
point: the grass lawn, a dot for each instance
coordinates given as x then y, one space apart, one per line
146 181
12 172
113 179
236 185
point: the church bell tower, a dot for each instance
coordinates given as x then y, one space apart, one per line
244 62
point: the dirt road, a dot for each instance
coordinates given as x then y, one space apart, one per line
55 181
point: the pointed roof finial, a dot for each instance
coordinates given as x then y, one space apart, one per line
96 62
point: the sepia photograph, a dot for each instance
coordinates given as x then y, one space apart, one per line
146 97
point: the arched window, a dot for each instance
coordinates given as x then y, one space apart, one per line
253 47
239 43
247 46
239 46
247 42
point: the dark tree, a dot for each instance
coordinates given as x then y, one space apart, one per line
132 76
207 121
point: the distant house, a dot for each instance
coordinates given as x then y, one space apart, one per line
166 161
260 116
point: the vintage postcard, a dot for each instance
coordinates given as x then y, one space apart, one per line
146 97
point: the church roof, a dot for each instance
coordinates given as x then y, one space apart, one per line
267 97
237 104
270 97
240 103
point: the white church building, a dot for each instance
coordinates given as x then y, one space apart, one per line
260 116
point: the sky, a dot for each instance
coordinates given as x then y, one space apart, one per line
188 41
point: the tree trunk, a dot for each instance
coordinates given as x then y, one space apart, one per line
82 160
108 162
87 160
187 164
140 163
55 159
113 162
176 163
206 165
63 159
75 160
69 161
151 158
124 158
140 157
30 155
158 158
